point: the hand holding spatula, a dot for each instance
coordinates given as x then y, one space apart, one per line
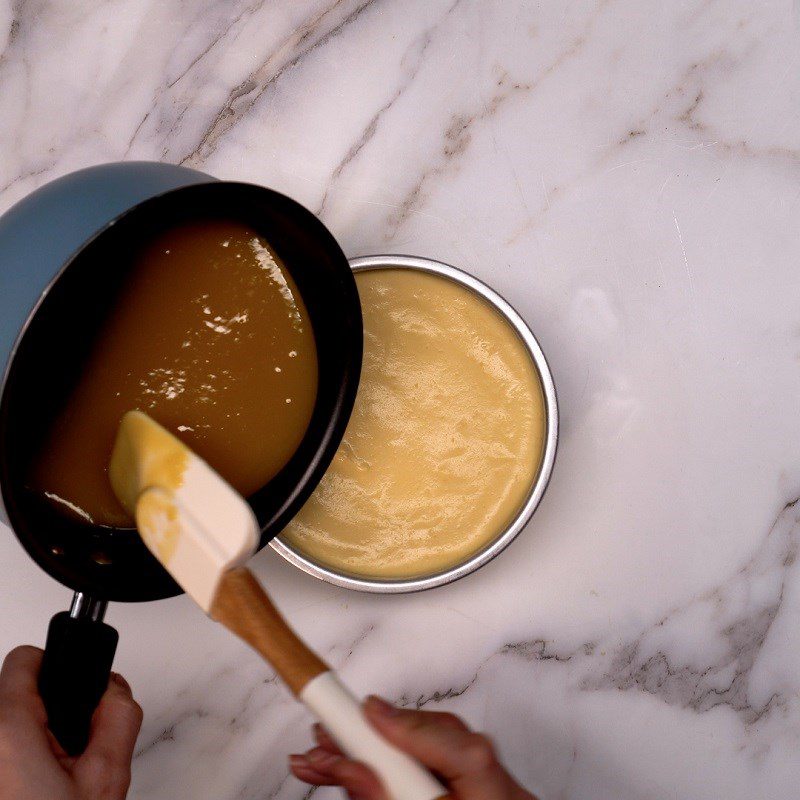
203 532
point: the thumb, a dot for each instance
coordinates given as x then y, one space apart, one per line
106 762
442 742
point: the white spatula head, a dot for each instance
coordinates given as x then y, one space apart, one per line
191 519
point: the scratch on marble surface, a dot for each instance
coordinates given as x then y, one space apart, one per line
528 650
541 650
197 711
357 641
418 50
23 176
482 622
458 134
167 733
703 687
624 164
687 117
248 92
438 695
234 20
631 666
172 82
13 32
685 258
689 82
455 141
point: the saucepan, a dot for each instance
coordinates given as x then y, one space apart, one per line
60 256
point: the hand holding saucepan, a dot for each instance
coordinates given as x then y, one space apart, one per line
33 766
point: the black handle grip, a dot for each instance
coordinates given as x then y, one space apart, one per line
74 675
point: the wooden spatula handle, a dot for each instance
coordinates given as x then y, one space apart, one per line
402 777
242 606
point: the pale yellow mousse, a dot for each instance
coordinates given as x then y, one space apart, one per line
445 440
146 455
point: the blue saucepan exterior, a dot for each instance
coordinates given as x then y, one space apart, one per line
40 233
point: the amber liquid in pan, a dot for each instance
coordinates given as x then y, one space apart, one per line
210 337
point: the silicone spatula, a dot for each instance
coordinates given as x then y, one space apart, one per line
203 532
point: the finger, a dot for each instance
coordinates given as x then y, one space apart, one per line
357 780
303 770
116 722
65 760
441 742
322 760
325 740
19 690
20 670
323 768
115 726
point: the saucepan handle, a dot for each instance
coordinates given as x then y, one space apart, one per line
74 675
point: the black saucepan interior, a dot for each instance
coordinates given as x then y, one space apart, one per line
113 564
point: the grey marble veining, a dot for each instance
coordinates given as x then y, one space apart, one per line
626 174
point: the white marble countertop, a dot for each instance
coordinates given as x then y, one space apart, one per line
627 174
